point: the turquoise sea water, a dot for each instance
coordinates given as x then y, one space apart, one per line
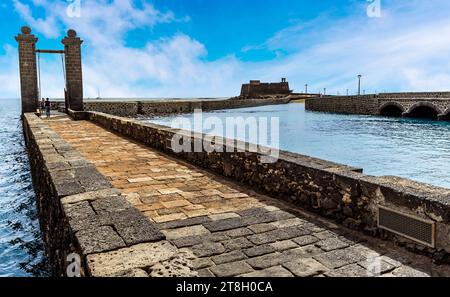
418 149
21 248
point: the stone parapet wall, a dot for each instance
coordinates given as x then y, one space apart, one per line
134 108
366 104
333 190
122 108
415 95
80 212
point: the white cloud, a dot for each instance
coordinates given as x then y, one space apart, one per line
404 50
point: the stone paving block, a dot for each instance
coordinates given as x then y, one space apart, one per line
352 270
284 245
325 234
281 215
239 232
266 261
231 269
90 196
125 218
175 203
169 217
139 232
68 188
207 249
228 257
276 271
137 256
377 265
306 251
99 239
187 241
223 216
305 240
195 230
278 234
260 228
205 273
77 224
339 258
237 244
260 218
178 266
184 222
331 243
136 272
259 250
227 224
252 212
288 223
406 271
110 204
305 267
90 179
200 263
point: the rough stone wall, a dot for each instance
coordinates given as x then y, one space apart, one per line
79 211
366 104
134 108
333 190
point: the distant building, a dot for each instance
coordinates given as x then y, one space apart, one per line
257 89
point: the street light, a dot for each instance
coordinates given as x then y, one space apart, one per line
324 91
306 88
359 84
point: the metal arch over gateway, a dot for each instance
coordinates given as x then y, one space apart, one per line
29 74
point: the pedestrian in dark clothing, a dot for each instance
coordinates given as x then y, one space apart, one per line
47 107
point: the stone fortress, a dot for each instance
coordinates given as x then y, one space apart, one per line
256 89
112 190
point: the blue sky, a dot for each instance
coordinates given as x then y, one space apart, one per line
189 48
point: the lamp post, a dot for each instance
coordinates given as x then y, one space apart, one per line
324 91
359 84
306 88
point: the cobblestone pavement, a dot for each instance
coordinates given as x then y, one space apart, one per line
230 229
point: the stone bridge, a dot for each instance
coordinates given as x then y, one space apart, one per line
429 105
434 105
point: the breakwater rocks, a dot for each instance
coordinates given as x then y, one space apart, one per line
83 218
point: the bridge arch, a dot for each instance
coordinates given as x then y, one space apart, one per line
445 116
392 109
423 110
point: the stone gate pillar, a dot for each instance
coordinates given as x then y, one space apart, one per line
74 79
28 70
